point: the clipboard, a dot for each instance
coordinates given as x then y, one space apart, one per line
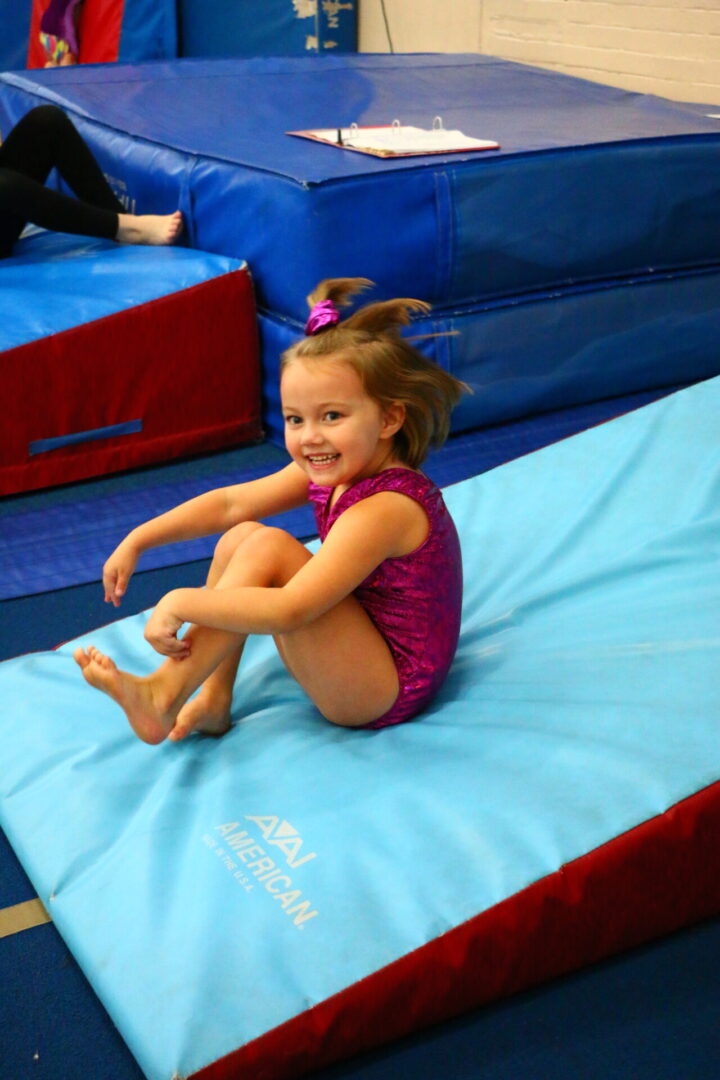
398 140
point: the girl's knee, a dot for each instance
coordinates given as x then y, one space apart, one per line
229 542
274 554
279 547
272 538
270 541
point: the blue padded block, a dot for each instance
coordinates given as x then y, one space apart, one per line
529 355
149 30
590 181
583 701
265 28
14 43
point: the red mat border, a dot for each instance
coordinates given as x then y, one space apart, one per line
658 877
186 364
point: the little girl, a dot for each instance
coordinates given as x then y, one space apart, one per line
369 625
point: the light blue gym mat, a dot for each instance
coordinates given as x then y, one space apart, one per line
213 890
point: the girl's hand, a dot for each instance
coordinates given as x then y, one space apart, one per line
161 631
117 572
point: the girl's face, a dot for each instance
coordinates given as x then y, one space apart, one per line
333 430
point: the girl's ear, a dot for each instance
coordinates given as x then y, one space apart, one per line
393 419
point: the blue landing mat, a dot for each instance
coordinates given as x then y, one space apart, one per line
573 152
54 539
620 285
582 703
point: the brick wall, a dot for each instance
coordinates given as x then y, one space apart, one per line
669 47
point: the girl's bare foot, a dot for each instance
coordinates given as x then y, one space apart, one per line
204 714
155 229
149 721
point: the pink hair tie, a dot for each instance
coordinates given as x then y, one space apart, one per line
322 316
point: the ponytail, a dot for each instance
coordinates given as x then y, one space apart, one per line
389 367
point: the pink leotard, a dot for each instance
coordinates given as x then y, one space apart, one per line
414 600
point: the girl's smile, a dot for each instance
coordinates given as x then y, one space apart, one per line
333 429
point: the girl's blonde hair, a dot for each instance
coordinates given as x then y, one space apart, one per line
388 366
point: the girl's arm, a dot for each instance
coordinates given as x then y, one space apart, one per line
381 526
213 512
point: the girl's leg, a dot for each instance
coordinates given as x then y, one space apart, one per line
156 705
153 704
209 711
322 656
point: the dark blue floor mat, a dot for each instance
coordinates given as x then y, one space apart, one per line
51 1023
15 886
61 537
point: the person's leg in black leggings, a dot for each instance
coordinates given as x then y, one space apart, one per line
45 139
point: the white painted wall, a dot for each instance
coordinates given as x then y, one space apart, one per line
668 47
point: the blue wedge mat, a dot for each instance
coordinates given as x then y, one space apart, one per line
99 279
83 524
583 701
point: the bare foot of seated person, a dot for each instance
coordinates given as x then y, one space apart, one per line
154 714
151 715
155 229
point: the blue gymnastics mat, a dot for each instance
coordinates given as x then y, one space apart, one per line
103 346
576 262
530 355
265 27
80 280
236 918
629 182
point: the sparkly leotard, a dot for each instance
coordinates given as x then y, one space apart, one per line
414 600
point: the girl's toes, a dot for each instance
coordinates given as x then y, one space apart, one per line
101 659
179 732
